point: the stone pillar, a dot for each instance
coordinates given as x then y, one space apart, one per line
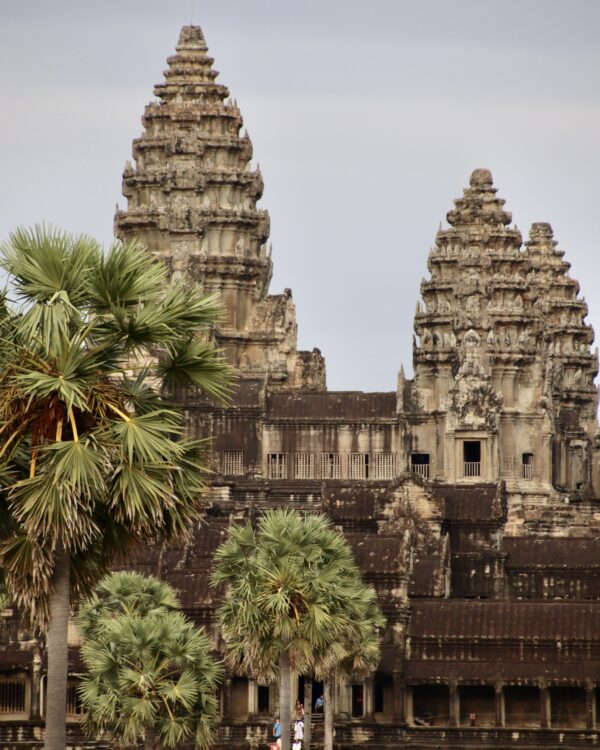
36 683
545 708
454 704
408 705
343 698
399 698
368 697
226 708
252 695
500 709
590 706
545 470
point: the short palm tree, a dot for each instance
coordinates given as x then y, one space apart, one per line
150 671
93 457
288 586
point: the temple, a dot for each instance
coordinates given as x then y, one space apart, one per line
470 495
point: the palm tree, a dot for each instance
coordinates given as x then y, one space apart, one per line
151 672
93 456
356 653
289 589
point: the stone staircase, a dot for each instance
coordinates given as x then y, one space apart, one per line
317 732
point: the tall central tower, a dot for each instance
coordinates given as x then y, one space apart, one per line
192 200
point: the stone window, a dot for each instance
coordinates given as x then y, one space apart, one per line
419 464
358 466
331 466
576 464
304 465
527 465
472 458
358 700
277 465
262 699
233 463
13 693
74 707
384 465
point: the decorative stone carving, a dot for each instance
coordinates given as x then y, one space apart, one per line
471 339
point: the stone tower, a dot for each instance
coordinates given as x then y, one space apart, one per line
192 201
502 361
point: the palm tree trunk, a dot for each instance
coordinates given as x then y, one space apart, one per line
149 739
307 711
328 691
58 652
285 696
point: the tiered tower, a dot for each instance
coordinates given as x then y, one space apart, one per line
570 365
192 200
502 356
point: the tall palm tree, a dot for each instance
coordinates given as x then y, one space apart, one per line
93 457
286 588
150 671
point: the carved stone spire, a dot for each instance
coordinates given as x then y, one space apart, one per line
567 338
502 342
192 200
477 287
479 204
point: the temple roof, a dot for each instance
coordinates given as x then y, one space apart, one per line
506 620
569 552
337 405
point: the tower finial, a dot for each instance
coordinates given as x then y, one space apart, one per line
191 37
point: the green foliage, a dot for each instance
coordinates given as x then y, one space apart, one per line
92 455
293 586
149 669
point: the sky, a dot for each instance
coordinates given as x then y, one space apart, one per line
367 119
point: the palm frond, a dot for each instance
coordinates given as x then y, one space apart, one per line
126 276
197 363
45 261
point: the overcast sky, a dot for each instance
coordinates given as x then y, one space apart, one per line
367 119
